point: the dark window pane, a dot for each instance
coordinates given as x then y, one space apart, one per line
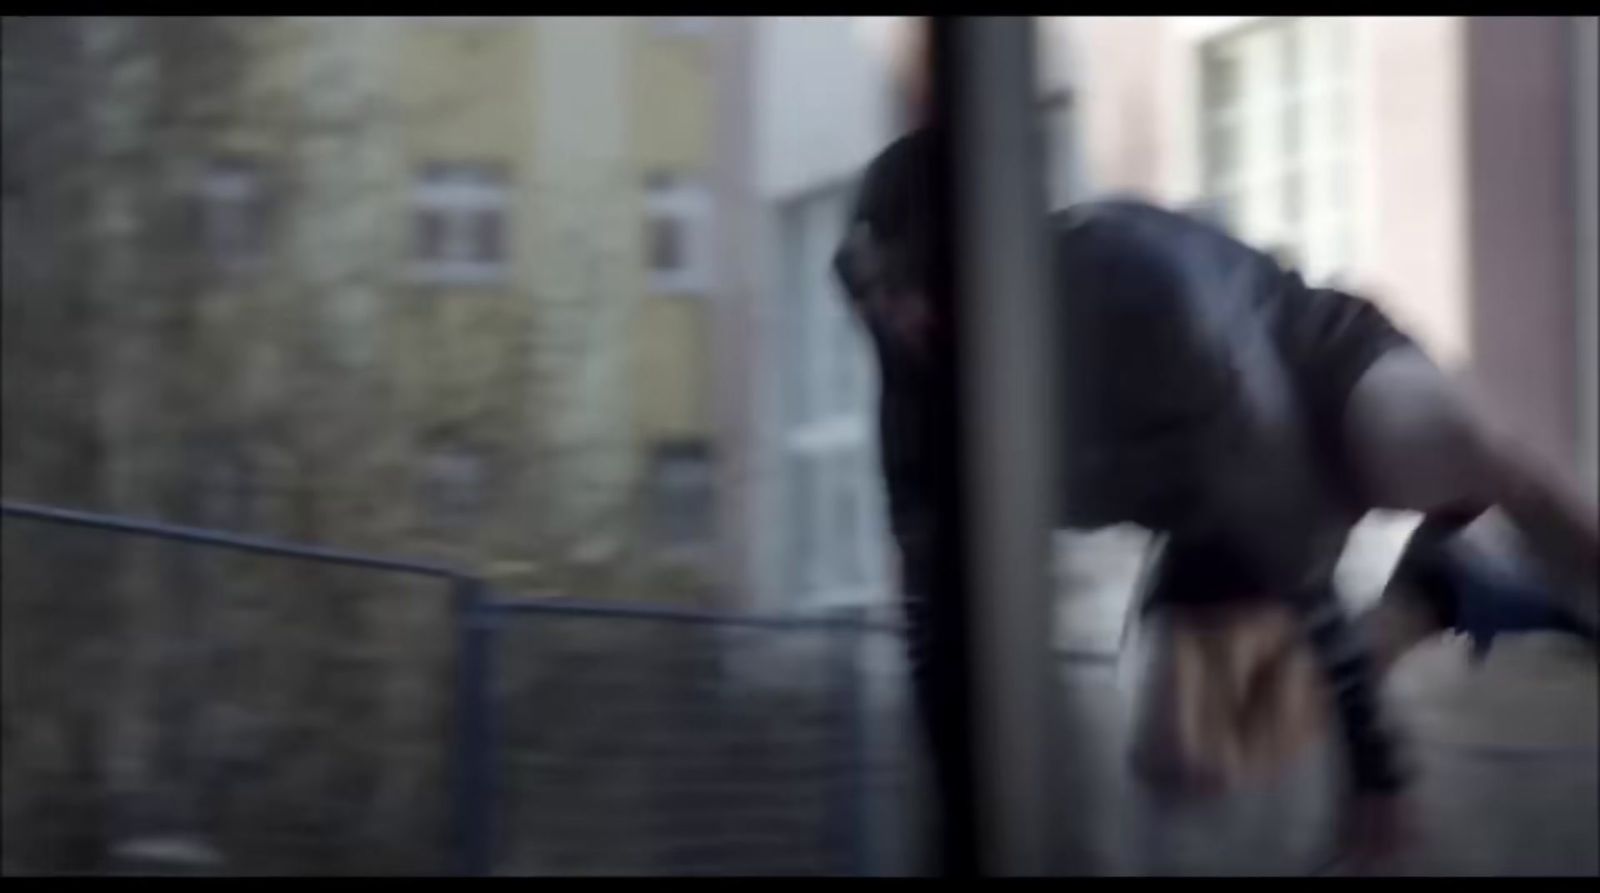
666 245
233 211
682 482
253 228
845 522
802 533
429 235
231 231
488 237
454 489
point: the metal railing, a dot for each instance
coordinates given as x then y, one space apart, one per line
551 689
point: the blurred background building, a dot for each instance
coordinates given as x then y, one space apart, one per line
438 281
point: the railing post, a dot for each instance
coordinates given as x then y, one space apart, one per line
999 429
854 826
474 741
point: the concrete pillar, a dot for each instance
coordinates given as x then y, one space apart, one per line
1586 98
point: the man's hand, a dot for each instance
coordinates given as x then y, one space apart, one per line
1377 829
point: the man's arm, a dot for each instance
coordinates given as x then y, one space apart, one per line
1353 673
1557 525
1415 442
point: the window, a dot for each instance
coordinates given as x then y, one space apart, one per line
454 488
1275 142
459 224
834 523
681 496
233 214
677 236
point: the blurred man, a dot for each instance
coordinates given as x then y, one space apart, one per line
1214 397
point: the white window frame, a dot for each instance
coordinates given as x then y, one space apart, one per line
460 192
685 202
836 433
1327 240
231 186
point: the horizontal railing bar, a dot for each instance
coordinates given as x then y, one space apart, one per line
637 611
237 542
555 606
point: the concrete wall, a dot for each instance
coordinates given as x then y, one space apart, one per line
673 130
821 108
673 102
1412 172
1522 206
1122 127
588 225
823 103
1586 100
736 341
